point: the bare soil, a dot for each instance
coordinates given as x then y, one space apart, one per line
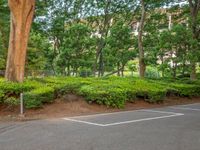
72 105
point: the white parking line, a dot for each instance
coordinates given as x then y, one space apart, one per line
85 122
198 104
185 108
125 122
161 112
140 120
122 112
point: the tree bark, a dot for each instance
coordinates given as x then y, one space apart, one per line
142 65
193 75
22 12
122 71
114 72
118 69
101 65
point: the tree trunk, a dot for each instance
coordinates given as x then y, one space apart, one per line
95 65
114 72
163 69
142 65
101 65
22 12
98 53
52 67
174 70
118 69
68 70
122 71
193 71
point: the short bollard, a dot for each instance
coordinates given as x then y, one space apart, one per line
21 106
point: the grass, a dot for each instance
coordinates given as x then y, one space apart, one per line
111 91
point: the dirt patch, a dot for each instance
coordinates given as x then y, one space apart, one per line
71 105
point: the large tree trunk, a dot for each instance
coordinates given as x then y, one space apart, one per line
142 65
22 12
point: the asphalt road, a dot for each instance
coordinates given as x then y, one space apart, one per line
170 128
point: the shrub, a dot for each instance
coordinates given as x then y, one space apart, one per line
37 97
187 89
10 87
1 96
156 95
150 91
152 72
11 101
62 89
109 96
109 91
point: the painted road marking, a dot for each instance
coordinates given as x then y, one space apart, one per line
140 120
171 114
194 104
185 108
85 122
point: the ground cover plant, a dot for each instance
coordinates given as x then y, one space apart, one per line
110 91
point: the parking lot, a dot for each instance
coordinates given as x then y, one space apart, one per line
168 128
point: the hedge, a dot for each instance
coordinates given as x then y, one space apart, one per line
112 91
37 97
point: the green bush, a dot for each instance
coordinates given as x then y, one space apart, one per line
2 97
152 72
109 91
10 87
62 89
11 101
156 95
114 97
187 89
37 97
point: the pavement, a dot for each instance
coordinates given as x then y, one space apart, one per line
168 128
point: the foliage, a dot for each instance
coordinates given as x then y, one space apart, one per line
112 91
1 96
85 37
152 72
37 97
4 32
11 101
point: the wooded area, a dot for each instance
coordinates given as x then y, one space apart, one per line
149 38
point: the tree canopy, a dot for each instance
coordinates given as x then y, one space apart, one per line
104 37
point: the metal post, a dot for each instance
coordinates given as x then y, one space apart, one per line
21 104
170 22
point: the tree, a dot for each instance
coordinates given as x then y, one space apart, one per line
37 56
142 66
145 6
194 12
22 12
75 51
119 46
106 13
4 32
